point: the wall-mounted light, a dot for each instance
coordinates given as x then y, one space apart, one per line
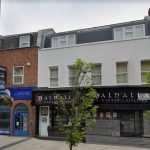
28 63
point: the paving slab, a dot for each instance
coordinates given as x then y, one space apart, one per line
38 144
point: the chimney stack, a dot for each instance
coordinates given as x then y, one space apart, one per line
147 17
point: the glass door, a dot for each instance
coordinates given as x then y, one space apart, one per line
127 124
21 123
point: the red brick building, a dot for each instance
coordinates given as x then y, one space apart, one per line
18 53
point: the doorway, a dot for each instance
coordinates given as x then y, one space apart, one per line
21 120
127 123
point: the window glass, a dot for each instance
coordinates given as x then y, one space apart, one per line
139 30
121 67
4 120
145 70
96 75
20 107
25 41
118 33
53 76
18 71
17 79
122 74
55 42
71 39
72 76
122 78
18 75
63 41
129 32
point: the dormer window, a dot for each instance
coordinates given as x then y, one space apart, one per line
129 32
62 41
24 41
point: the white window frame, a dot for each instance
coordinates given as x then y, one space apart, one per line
51 68
18 75
133 31
71 77
144 71
97 75
27 41
66 37
122 73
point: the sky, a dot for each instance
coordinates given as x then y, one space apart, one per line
23 16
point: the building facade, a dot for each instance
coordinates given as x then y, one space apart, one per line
18 53
121 56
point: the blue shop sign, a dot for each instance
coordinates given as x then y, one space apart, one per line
21 93
4 131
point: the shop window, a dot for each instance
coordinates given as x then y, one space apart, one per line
108 115
94 115
96 74
24 41
101 115
18 75
145 71
53 76
114 114
62 41
4 118
129 32
122 74
73 80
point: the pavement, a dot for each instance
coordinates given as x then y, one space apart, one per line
107 143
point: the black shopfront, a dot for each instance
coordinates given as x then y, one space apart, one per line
120 110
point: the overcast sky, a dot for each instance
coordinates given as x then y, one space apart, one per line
22 16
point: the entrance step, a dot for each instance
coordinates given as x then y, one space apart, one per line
53 138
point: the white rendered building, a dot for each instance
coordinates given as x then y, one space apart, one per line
121 54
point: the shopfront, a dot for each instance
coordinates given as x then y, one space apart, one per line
120 110
18 119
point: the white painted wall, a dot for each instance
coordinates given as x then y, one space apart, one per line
107 53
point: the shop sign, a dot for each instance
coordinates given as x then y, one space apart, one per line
49 99
114 95
3 72
122 96
44 111
144 96
21 93
4 131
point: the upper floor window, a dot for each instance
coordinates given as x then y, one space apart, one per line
53 76
129 32
145 71
73 80
96 74
122 73
18 75
63 41
24 41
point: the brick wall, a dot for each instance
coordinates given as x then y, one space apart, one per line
20 57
